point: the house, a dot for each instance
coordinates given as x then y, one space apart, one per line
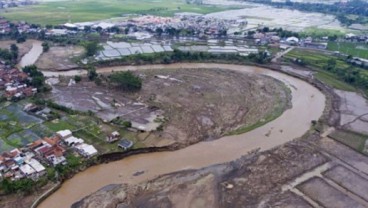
52 140
27 170
37 166
64 134
292 40
315 45
86 150
114 136
72 141
125 144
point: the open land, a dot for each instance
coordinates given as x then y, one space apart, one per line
23 48
59 58
195 102
59 12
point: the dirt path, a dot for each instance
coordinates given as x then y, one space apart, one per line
308 104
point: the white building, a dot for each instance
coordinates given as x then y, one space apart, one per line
86 150
63 134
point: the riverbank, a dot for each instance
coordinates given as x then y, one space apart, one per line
279 131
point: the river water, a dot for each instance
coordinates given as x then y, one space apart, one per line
31 57
307 104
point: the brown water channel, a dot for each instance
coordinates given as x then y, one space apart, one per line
308 104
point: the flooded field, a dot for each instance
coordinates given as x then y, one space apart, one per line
257 14
354 111
308 104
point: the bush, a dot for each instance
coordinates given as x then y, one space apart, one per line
126 81
77 78
127 124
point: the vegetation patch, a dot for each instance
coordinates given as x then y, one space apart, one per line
352 139
60 12
353 49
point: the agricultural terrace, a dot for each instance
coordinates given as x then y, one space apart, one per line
354 49
332 70
59 12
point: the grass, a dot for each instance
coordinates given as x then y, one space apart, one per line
319 32
59 12
332 81
354 49
351 139
317 60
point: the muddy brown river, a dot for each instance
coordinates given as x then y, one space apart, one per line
32 56
308 104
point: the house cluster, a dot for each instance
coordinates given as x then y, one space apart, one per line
15 3
14 83
6 27
356 38
191 23
263 38
18 164
30 161
77 144
187 23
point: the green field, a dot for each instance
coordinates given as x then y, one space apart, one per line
318 60
320 32
351 139
58 12
354 49
331 80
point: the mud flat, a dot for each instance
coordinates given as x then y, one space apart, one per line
59 58
354 111
197 104
31 57
308 104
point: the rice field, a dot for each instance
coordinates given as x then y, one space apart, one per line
354 49
63 11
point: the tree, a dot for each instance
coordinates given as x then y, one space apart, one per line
92 74
45 46
77 78
38 80
91 47
159 31
126 81
21 39
14 52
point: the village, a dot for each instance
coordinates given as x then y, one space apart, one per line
81 119
15 3
31 160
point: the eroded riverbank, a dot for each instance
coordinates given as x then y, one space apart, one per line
308 104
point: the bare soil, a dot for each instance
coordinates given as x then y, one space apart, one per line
59 58
197 104
23 47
